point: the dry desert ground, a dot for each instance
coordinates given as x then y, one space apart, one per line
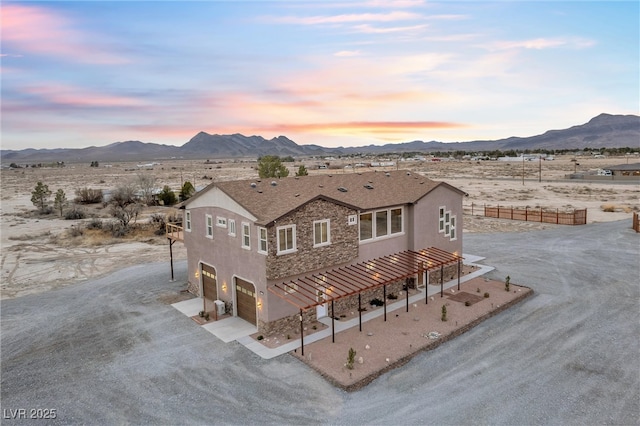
38 253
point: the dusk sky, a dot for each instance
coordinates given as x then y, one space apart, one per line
333 73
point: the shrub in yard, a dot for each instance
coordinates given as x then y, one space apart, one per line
75 213
486 295
506 283
351 358
95 223
88 196
443 317
76 231
376 302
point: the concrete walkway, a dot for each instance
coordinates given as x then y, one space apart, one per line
236 328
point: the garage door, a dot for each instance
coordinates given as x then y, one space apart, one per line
209 287
246 300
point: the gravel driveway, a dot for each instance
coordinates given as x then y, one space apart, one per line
111 351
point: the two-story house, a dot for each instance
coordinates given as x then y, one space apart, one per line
253 244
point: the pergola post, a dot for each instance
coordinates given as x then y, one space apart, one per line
302 334
459 265
171 255
384 300
333 324
441 280
360 309
407 296
426 286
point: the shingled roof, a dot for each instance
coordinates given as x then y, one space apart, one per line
270 199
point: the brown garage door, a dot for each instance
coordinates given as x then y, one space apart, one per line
209 287
246 300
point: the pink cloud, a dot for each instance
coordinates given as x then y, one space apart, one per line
38 30
76 97
541 43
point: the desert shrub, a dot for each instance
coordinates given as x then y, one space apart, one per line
506 283
159 223
75 213
116 229
260 337
376 302
486 295
76 231
392 296
467 303
443 317
351 358
88 196
95 223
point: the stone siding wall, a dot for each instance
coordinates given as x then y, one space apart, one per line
286 324
350 304
343 237
450 273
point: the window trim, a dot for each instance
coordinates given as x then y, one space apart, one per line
293 249
232 227
261 240
326 222
208 223
246 236
221 222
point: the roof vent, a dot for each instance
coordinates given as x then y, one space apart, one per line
274 183
342 189
368 186
253 184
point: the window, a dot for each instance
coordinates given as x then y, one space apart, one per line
221 222
209 221
232 227
452 229
366 226
387 223
396 221
321 233
381 223
246 236
187 221
262 240
286 239
447 223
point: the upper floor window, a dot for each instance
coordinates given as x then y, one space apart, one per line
321 233
286 239
262 240
187 221
246 235
380 223
232 227
447 223
221 222
209 222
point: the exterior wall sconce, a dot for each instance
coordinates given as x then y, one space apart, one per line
224 287
197 274
259 304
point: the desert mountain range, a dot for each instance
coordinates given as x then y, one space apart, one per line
603 131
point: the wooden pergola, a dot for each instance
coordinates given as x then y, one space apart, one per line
320 288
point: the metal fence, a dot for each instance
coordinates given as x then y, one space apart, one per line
575 217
